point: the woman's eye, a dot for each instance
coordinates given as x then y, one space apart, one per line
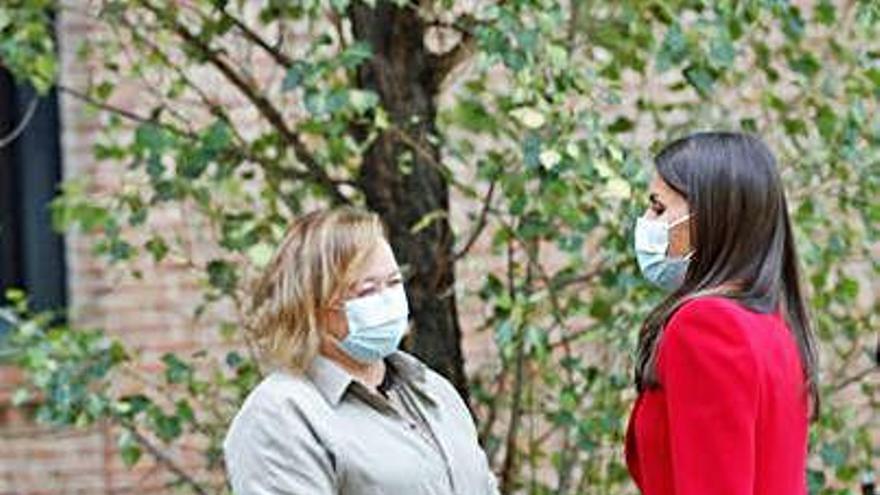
395 282
366 292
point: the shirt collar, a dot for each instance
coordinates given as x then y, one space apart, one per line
329 378
332 381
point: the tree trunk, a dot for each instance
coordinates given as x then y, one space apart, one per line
401 179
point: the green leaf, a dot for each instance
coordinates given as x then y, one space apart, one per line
471 114
529 117
176 371
132 405
701 79
848 289
234 359
217 138
193 164
166 427
826 12
792 23
427 220
355 54
531 150
150 137
826 122
834 454
20 396
129 449
673 50
295 75
260 254
157 247
340 5
363 101
722 51
816 480
806 64
620 125
222 276
184 411
104 90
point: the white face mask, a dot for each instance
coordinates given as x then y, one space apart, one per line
652 246
376 324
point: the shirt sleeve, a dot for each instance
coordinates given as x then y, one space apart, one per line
707 371
274 451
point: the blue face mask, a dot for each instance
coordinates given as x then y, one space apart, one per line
376 324
651 245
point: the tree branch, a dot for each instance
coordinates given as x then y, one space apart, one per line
274 171
165 460
481 222
510 451
492 414
122 112
280 57
263 105
855 378
444 64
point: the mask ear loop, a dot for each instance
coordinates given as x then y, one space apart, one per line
680 220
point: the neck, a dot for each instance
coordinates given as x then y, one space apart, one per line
370 374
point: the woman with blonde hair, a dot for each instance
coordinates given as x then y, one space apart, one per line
345 412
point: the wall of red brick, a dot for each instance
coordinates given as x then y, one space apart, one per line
152 314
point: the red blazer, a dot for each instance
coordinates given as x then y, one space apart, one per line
731 414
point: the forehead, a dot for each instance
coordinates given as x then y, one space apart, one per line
379 264
661 188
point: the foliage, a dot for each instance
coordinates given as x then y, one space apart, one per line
26 42
545 137
79 378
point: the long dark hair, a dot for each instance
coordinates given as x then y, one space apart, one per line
742 240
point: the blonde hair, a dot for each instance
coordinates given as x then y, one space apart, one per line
313 264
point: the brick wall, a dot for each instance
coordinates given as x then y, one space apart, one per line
152 314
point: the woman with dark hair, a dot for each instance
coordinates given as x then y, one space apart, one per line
726 366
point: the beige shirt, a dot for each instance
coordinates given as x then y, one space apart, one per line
324 433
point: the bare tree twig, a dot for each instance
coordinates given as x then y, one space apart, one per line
492 415
280 57
122 112
481 222
336 20
511 453
855 378
165 460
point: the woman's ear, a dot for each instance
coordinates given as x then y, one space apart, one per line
333 321
680 239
